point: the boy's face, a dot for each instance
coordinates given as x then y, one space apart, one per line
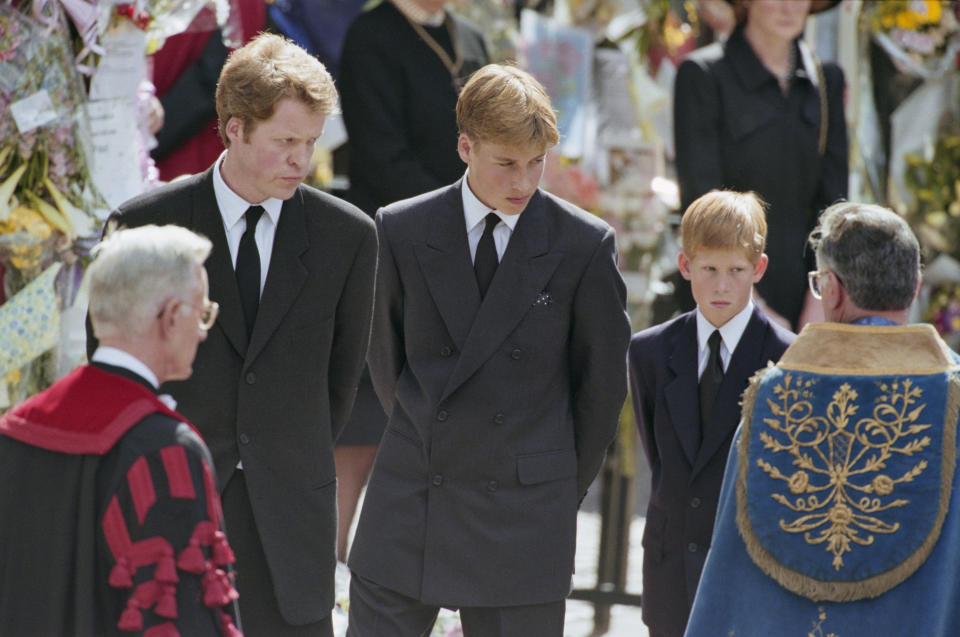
721 281
502 177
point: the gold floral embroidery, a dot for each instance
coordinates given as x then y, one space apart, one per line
839 487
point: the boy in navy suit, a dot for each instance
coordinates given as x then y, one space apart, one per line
687 375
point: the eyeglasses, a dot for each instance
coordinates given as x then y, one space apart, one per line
813 279
207 314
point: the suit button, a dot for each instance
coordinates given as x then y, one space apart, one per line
692 547
445 351
515 354
492 486
442 415
437 480
695 502
244 439
498 419
251 378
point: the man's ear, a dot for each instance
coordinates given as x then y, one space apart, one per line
760 267
234 129
683 265
464 147
168 316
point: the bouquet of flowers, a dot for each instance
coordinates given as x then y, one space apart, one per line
920 36
45 192
935 216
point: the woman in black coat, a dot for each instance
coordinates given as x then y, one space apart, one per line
761 113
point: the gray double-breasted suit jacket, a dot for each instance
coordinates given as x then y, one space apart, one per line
687 471
278 402
500 410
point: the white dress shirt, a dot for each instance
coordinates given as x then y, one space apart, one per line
126 360
475 213
232 208
730 333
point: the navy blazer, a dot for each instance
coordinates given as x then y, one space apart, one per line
686 473
501 408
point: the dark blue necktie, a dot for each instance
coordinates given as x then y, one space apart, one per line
248 268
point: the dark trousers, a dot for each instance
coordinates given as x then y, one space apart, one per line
259 610
376 611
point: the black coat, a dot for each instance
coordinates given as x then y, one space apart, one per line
399 106
735 129
279 402
686 477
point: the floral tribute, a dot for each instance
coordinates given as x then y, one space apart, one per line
918 34
45 185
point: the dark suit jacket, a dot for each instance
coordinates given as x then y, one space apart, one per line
735 129
500 410
279 403
686 475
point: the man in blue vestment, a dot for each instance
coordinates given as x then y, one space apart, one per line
840 508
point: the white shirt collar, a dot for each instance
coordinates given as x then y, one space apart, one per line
730 332
233 206
413 11
126 360
475 211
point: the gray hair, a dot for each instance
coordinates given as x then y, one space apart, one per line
135 271
873 252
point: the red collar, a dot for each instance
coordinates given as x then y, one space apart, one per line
85 412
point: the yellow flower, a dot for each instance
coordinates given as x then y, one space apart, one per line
932 12
907 20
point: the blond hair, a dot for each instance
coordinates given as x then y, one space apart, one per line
266 70
503 104
725 220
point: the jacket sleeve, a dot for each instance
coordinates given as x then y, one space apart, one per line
600 334
643 395
352 330
386 356
696 128
169 557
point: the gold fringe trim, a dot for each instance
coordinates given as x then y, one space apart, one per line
844 591
868 350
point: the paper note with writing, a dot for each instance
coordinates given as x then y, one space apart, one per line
35 110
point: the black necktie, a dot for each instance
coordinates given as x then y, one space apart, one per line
711 379
485 263
248 268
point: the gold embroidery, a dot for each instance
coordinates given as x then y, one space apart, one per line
818 625
839 488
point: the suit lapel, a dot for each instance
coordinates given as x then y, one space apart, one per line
223 282
285 277
746 360
523 272
681 392
447 268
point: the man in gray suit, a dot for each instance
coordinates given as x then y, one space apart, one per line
498 352
292 269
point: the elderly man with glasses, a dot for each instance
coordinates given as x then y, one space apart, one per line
840 507
112 523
